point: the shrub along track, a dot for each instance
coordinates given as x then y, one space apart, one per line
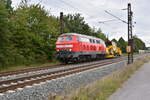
18 83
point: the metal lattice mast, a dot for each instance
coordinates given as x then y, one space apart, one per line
130 36
61 23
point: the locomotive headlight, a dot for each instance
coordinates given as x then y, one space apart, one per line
70 49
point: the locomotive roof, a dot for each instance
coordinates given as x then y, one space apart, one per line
82 35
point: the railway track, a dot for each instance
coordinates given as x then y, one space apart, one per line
36 69
19 83
3 74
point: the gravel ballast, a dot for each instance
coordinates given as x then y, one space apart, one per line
60 85
9 77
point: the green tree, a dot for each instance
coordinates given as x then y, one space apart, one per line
76 23
28 33
33 27
100 34
6 50
114 40
138 44
122 44
7 4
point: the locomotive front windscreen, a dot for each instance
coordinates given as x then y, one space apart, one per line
65 38
68 38
61 39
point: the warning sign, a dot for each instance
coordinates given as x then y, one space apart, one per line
128 49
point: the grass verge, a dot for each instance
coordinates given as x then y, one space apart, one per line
11 68
102 89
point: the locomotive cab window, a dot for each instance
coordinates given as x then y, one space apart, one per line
83 39
61 39
97 41
90 40
93 41
68 38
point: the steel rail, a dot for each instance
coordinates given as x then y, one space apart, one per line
60 73
26 70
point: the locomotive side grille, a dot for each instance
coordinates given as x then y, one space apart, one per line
62 46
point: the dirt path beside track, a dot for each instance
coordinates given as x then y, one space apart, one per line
137 87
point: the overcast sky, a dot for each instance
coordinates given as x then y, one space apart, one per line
94 11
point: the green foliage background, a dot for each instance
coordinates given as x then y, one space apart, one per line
28 33
138 44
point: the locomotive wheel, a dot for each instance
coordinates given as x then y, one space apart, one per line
65 61
76 60
84 58
81 58
88 58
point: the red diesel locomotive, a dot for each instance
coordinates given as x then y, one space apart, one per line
74 47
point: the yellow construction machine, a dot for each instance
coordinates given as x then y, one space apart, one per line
112 50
